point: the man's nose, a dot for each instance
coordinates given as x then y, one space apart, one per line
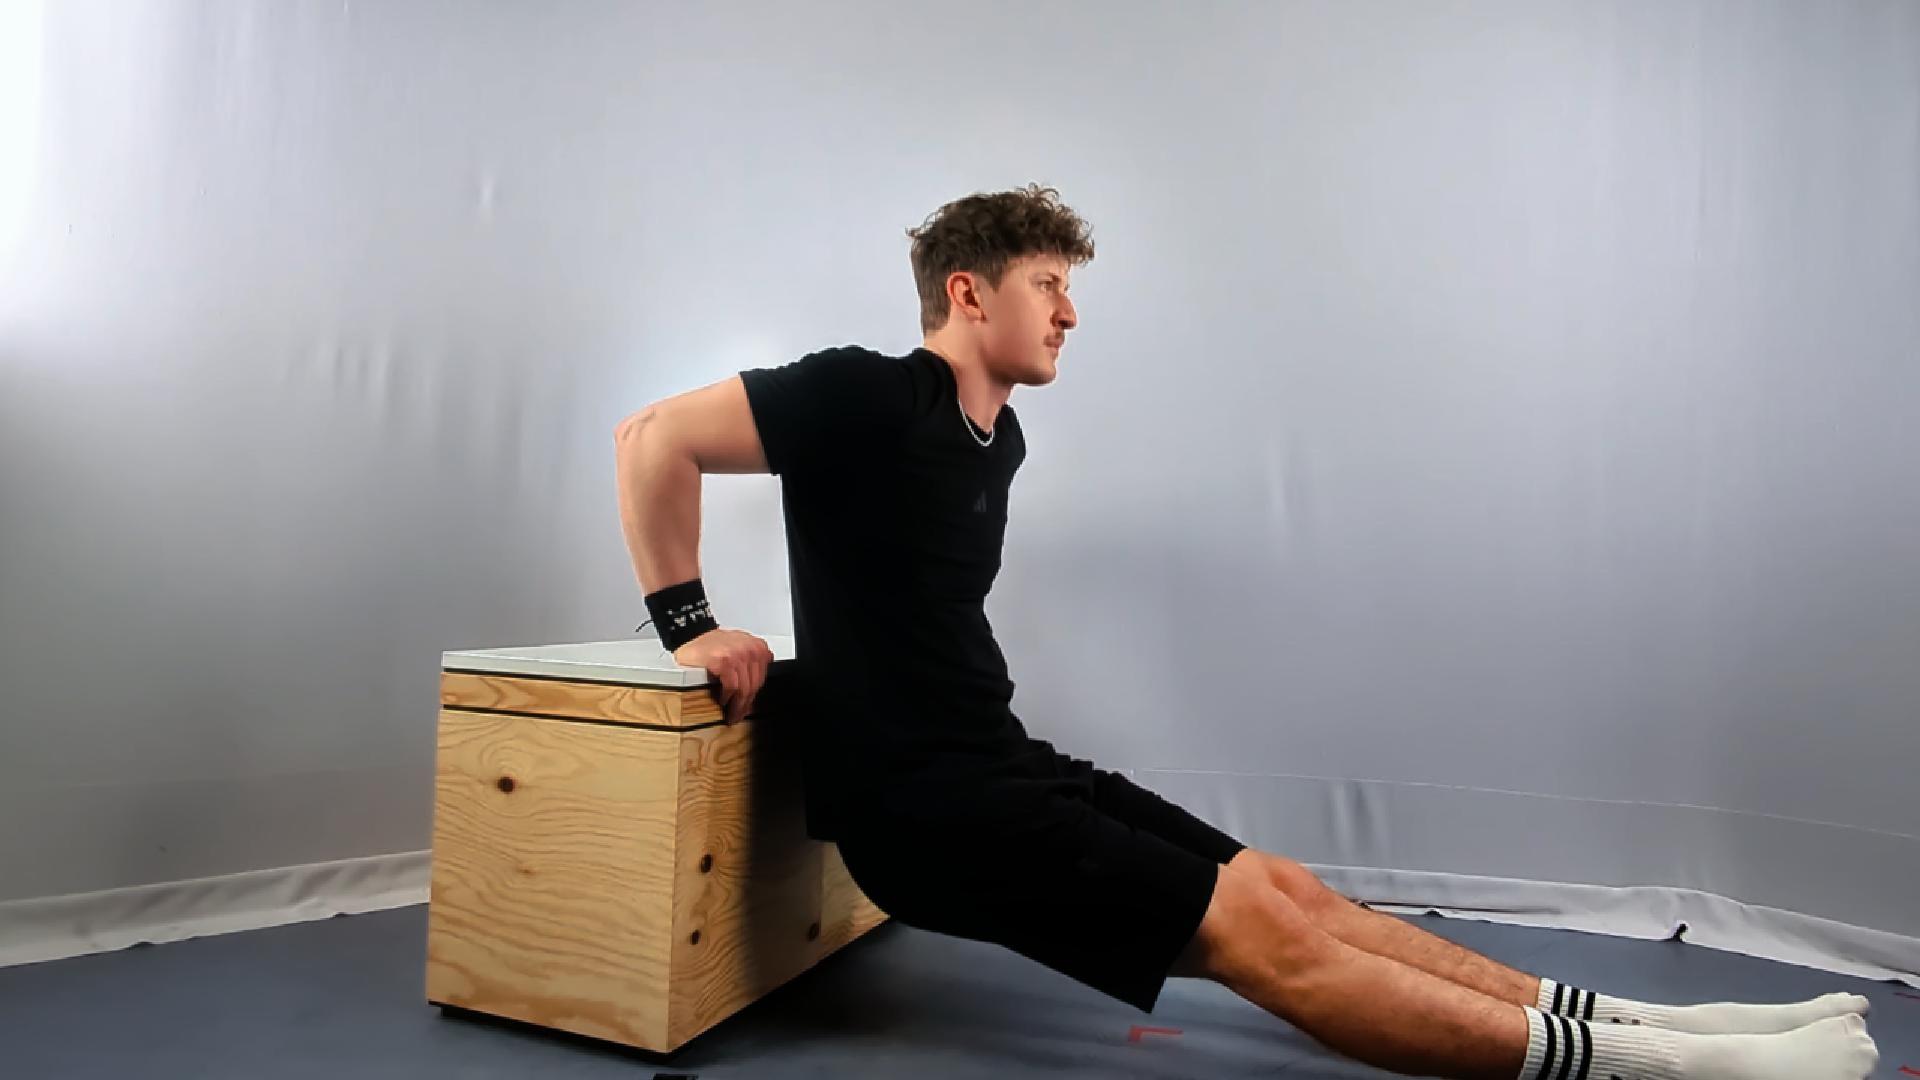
1065 317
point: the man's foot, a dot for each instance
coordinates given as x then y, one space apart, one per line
1837 1048
1718 1018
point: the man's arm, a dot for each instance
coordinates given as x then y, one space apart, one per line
661 452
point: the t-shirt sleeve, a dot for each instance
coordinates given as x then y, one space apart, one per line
815 411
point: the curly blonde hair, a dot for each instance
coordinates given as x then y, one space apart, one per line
983 233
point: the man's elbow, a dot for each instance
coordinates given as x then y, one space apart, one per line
632 427
635 438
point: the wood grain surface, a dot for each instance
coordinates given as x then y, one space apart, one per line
579 700
621 882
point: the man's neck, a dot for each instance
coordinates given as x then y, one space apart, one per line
981 395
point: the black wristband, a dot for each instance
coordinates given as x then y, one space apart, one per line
681 613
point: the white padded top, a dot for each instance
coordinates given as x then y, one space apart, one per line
636 661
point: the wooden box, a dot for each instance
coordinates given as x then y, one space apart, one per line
609 857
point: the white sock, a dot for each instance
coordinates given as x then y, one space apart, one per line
1563 1048
1719 1018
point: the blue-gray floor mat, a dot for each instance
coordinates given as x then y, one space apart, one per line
344 998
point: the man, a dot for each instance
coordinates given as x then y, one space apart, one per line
895 472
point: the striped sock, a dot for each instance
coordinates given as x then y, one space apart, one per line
1564 1048
1559 999
1719 1018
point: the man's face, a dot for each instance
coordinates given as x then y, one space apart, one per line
1028 317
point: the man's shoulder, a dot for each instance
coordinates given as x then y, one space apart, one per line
858 357
897 381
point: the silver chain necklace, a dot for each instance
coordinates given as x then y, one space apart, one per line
968 420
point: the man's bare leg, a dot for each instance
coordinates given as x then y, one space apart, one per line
1384 935
1257 942
1387 936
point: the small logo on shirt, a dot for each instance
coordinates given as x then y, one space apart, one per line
980 504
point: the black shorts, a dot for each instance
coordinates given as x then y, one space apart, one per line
1072 866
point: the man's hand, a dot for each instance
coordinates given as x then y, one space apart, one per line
738 659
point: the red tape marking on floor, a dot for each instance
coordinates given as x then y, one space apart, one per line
1910 1070
1903 993
1134 1035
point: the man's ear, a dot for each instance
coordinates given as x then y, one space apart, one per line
963 295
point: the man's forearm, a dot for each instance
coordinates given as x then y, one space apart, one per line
659 506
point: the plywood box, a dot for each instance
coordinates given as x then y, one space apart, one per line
609 857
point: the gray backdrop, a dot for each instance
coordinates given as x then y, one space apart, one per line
1490 445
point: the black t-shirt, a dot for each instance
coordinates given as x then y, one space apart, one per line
895 516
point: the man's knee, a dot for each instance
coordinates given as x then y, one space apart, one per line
1301 885
1252 931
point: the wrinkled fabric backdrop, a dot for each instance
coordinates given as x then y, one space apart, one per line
1490 447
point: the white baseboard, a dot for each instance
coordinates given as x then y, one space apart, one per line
55 927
